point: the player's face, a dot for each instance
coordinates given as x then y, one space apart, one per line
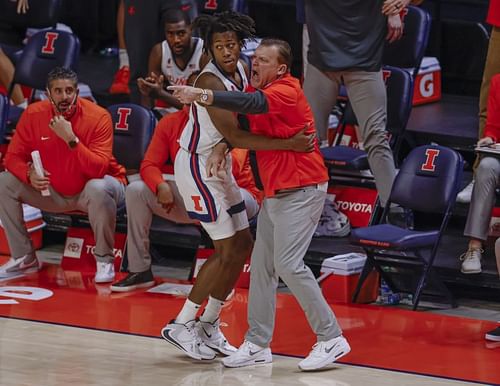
63 93
265 66
178 37
226 51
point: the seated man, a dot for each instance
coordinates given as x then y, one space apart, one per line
487 179
75 139
158 195
172 61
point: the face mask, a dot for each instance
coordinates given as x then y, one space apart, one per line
71 109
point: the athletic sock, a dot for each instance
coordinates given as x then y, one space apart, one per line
188 312
123 57
212 310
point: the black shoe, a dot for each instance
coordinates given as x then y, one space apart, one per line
493 335
134 281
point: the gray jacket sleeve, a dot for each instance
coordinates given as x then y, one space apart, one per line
240 102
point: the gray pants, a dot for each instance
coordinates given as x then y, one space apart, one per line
285 226
487 178
142 203
99 199
368 98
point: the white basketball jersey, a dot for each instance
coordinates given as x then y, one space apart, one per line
174 74
200 134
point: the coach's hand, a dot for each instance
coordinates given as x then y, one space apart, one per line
165 196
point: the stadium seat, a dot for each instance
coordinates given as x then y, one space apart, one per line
399 103
428 182
408 51
133 128
45 50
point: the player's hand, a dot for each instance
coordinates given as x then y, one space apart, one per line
394 28
22 6
486 141
62 128
216 161
393 7
165 196
302 142
38 182
186 94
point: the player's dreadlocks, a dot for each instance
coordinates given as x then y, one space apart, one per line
242 25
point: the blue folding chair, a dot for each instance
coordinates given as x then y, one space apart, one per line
133 129
428 182
45 50
409 51
4 103
399 103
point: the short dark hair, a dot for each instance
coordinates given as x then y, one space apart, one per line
61 73
174 15
228 21
284 50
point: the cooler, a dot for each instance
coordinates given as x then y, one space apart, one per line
427 86
34 223
340 275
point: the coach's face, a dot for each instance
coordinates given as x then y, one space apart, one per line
226 51
265 66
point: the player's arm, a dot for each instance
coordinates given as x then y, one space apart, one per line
226 123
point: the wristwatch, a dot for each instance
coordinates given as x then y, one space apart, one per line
75 141
204 96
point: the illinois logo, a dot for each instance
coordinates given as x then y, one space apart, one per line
26 293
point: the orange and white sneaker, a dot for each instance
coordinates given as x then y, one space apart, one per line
120 81
25 264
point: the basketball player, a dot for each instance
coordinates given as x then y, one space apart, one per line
216 201
172 61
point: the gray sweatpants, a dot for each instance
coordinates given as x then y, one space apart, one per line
367 95
285 226
487 178
142 203
99 199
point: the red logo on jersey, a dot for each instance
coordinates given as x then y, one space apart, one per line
429 165
123 114
131 10
50 38
197 205
211 4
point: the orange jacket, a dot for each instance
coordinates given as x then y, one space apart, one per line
69 169
160 156
288 113
492 128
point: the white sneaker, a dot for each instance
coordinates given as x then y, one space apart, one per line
25 264
465 195
248 354
105 272
471 261
212 336
185 338
325 353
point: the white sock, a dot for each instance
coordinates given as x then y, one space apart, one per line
123 57
212 310
188 312
23 104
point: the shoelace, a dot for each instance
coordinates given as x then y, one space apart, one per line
470 253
